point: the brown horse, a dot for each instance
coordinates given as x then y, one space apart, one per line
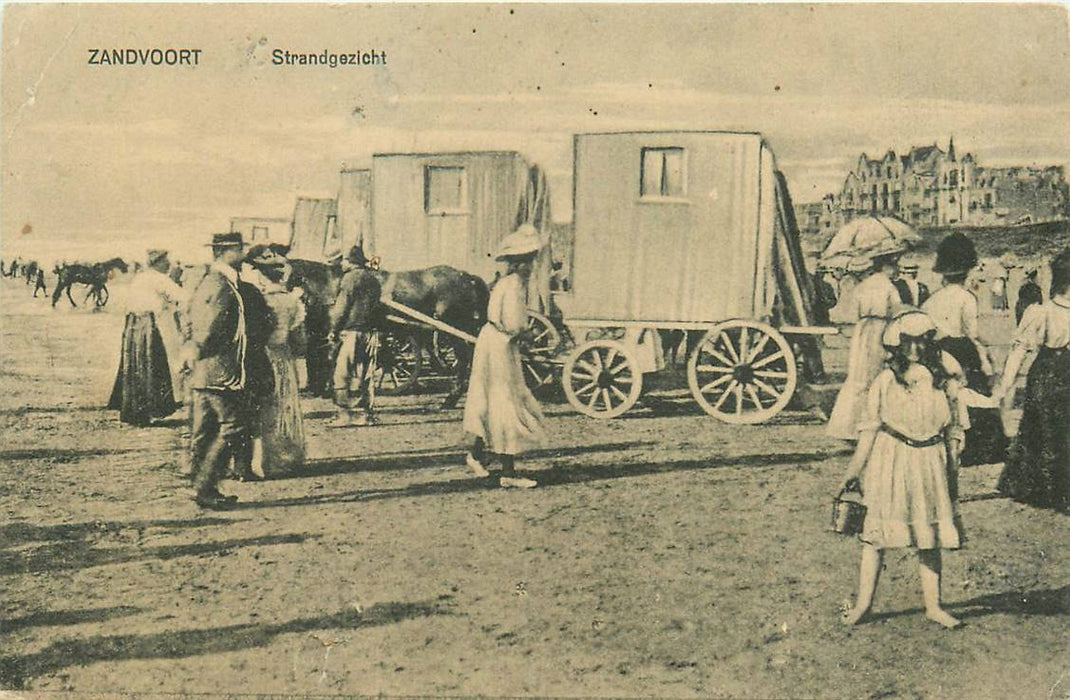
456 298
93 275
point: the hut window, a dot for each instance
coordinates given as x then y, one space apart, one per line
445 190
260 233
662 173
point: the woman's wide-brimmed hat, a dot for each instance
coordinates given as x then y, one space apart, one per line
912 322
955 254
524 241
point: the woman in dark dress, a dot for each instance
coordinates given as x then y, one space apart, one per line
1038 464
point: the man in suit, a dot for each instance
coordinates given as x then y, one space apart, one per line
911 291
217 346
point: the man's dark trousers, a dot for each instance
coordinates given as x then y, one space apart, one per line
220 432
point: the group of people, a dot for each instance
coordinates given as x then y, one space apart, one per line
236 370
31 272
919 404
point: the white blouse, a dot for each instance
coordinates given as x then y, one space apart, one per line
953 310
1046 325
151 290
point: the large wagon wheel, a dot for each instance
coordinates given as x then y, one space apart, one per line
601 378
399 364
539 353
742 372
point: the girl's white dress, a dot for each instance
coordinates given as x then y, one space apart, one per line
905 488
499 406
875 302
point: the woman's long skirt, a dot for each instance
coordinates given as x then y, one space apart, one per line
282 426
986 442
864 363
142 389
1038 463
499 406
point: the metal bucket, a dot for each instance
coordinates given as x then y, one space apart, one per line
848 514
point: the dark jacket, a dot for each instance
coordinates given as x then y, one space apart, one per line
357 307
259 323
214 315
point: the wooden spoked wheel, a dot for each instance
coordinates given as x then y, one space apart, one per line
601 379
539 353
399 364
742 372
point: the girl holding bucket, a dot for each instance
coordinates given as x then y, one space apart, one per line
910 434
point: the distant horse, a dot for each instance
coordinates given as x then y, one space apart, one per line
93 275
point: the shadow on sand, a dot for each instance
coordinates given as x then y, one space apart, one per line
555 476
15 671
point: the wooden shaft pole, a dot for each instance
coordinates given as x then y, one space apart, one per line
429 320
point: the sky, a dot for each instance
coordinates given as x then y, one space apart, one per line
98 159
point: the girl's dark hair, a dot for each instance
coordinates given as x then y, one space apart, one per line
1060 273
929 356
882 260
956 278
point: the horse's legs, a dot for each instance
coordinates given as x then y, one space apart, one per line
57 293
460 379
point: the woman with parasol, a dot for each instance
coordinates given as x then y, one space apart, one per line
870 245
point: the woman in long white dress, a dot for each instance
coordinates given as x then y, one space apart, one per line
500 412
874 302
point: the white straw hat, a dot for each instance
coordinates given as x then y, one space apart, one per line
524 241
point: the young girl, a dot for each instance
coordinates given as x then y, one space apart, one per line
911 428
500 411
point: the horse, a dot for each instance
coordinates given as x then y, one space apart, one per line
94 275
456 298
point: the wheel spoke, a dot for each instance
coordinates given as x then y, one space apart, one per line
612 355
599 365
739 399
582 375
723 360
754 397
727 392
743 343
766 388
586 387
606 400
594 399
620 394
715 383
753 355
714 368
619 368
767 359
589 367
729 347
770 374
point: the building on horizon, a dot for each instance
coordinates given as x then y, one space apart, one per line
929 186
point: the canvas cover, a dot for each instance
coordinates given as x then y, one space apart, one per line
314 229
